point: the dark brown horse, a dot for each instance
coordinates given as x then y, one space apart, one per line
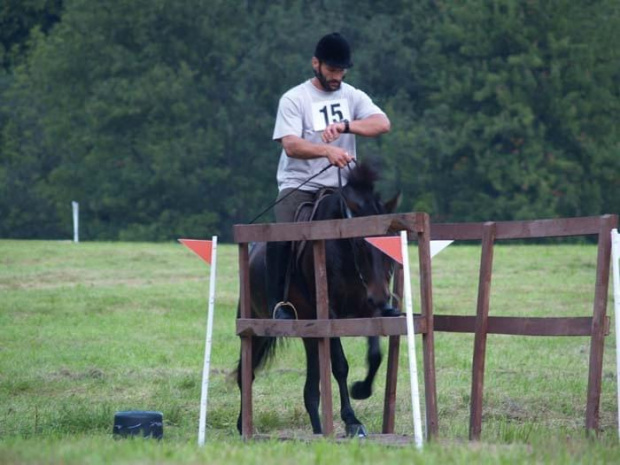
358 277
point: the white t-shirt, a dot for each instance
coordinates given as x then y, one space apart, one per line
305 111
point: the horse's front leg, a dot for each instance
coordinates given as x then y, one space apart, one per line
340 370
363 389
312 394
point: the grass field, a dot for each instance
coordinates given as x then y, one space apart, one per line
90 329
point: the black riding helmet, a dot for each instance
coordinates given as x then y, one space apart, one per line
333 50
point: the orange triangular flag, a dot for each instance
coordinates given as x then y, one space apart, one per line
200 248
389 245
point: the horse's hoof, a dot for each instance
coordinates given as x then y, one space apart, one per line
390 311
360 390
356 431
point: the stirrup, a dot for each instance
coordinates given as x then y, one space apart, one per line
282 304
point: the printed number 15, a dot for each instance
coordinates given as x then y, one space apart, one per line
335 113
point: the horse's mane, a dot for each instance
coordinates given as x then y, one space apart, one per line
363 177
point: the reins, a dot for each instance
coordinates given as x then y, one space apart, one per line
273 204
285 302
346 213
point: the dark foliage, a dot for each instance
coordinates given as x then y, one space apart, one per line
157 116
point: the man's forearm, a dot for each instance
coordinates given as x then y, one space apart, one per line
371 126
296 147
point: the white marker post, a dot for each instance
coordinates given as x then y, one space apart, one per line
208 343
207 251
398 251
413 364
615 255
76 215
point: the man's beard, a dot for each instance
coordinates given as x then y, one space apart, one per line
324 82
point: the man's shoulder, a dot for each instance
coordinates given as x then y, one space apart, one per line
350 90
346 87
295 92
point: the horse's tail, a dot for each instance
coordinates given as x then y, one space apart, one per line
263 350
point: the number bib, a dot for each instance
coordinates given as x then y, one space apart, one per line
327 112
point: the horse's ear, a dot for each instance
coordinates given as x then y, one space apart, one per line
392 204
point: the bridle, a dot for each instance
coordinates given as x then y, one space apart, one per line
356 243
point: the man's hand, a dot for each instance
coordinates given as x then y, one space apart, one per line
296 147
337 156
333 131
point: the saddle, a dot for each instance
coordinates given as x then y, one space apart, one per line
307 212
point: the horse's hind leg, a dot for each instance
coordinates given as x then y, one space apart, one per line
261 347
340 369
311 389
363 389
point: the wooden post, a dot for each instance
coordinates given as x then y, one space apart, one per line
246 344
322 313
482 325
597 340
389 403
428 339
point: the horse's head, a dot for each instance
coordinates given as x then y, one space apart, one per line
360 196
372 267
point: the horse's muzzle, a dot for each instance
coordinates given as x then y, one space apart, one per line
390 311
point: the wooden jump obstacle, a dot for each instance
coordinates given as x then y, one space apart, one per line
596 326
417 226
419 229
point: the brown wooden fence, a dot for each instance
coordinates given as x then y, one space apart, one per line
595 326
418 227
420 230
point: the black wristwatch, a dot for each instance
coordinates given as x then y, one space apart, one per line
346 126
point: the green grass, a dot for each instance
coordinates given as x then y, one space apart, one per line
90 329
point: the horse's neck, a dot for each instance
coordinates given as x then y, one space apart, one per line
330 208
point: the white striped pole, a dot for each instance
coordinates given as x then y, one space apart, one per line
76 215
615 255
413 364
208 343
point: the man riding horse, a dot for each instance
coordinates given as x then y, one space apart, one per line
358 276
317 121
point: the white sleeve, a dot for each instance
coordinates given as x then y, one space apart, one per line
363 106
289 120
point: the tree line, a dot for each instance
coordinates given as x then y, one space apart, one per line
157 116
